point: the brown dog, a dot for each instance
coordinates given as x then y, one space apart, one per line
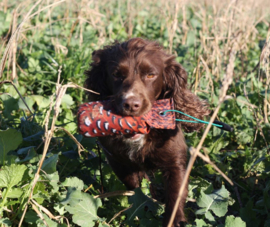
134 74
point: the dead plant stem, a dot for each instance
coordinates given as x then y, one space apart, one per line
225 85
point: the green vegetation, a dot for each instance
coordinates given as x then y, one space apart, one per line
51 176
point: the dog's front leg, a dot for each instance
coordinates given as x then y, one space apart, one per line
174 176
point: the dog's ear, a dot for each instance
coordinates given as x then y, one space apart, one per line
96 56
96 75
175 78
175 87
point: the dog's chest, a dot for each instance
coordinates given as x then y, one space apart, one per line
124 148
134 148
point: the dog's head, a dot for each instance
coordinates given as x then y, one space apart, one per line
135 73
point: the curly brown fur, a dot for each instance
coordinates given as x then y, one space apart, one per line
134 74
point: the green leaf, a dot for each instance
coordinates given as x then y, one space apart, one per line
49 222
145 186
84 212
40 192
53 181
267 222
89 143
209 216
73 196
241 101
28 151
200 223
198 184
249 215
14 193
5 222
257 83
232 221
150 222
216 202
60 208
247 114
33 65
266 197
24 150
13 92
10 104
31 217
218 145
41 101
73 182
10 139
191 38
29 101
67 101
195 23
49 165
11 175
12 202
139 201
245 136
201 211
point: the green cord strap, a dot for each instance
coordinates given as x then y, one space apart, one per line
197 120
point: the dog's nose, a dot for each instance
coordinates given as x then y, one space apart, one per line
132 104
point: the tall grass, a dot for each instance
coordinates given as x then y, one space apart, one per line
209 33
216 22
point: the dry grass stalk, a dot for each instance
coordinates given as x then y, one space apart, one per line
173 26
207 159
120 212
208 75
71 30
79 146
13 37
11 47
257 118
49 131
40 215
115 193
264 61
14 45
88 188
5 5
130 24
120 193
225 85
184 25
47 212
197 78
231 8
46 7
60 91
46 145
228 16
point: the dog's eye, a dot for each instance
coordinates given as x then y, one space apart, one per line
150 75
116 75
